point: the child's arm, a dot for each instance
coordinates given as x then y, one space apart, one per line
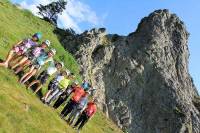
18 43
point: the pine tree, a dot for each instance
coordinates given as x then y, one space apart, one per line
50 12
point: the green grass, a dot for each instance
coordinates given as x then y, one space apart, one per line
16 25
20 110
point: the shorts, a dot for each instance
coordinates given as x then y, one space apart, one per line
18 50
30 56
36 65
43 77
52 86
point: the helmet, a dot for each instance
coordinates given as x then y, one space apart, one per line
76 82
67 71
38 35
62 64
85 85
47 42
53 51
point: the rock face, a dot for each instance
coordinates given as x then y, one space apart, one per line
142 80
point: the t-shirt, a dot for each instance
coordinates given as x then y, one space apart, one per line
83 102
58 78
78 93
91 109
37 51
64 83
25 46
28 43
51 69
43 58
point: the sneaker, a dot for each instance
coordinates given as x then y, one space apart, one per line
62 116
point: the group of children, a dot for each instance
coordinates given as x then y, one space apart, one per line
28 57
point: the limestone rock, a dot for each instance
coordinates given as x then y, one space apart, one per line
142 79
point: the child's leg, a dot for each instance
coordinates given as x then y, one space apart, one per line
14 59
51 97
9 57
46 95
20 68
32 83
25 75
38 88
22 61
75 117
30 75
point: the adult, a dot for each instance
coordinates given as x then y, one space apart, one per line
80 107
87 114
78 93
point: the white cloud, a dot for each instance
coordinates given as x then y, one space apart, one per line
75 13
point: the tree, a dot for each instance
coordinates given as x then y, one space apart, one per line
50 12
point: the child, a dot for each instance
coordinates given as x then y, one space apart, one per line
36 65
21 47
31 56
42 78
63 84
53 84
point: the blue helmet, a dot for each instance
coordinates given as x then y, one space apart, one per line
85 85
38 35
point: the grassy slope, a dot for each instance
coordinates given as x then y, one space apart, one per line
20 110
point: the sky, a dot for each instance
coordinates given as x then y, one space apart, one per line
123 16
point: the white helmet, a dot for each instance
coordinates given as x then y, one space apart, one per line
67 71
47 42
76 82
62 64
53 51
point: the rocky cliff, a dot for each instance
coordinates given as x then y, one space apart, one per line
142 80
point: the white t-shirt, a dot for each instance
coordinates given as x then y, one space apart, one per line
59 78
51 69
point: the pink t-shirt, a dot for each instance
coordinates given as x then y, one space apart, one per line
37 51
26 44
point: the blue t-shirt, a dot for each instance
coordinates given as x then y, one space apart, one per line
83 102
43 58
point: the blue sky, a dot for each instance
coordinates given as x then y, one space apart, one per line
122 17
